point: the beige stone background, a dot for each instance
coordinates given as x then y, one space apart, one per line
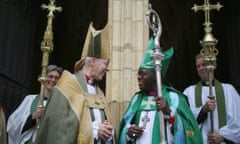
128 37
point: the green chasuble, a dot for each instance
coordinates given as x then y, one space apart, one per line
185 127
67 119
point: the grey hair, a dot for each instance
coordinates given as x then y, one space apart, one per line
51 68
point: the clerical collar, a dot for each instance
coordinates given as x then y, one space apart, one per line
153 92
206 83
89 81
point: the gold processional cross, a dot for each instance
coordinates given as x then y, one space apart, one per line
46 47
208 51
207 7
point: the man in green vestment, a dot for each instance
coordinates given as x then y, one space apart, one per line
140 123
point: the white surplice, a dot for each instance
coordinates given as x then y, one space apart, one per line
231 130
17 121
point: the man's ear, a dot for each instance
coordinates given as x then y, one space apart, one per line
92 60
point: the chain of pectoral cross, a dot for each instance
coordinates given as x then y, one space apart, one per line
207 7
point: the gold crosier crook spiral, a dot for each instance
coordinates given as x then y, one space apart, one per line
209 51
157 56
46 48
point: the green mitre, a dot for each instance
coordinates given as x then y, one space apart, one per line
147 62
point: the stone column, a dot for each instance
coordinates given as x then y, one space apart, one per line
128 36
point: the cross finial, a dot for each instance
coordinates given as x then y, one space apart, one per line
207 7
51 7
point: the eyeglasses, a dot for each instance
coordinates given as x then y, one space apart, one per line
53 77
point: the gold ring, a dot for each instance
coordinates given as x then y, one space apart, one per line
134 134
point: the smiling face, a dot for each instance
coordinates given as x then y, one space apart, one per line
202 69
99 68
146 79
52 79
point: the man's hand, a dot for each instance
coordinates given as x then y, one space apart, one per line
135 131
38 113
209 106
105 130
215 138
162 105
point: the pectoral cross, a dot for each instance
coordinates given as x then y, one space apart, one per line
145 120
207 7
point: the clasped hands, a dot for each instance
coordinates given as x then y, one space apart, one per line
105 130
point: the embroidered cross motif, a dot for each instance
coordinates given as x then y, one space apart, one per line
148 103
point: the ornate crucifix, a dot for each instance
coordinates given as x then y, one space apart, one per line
207 7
